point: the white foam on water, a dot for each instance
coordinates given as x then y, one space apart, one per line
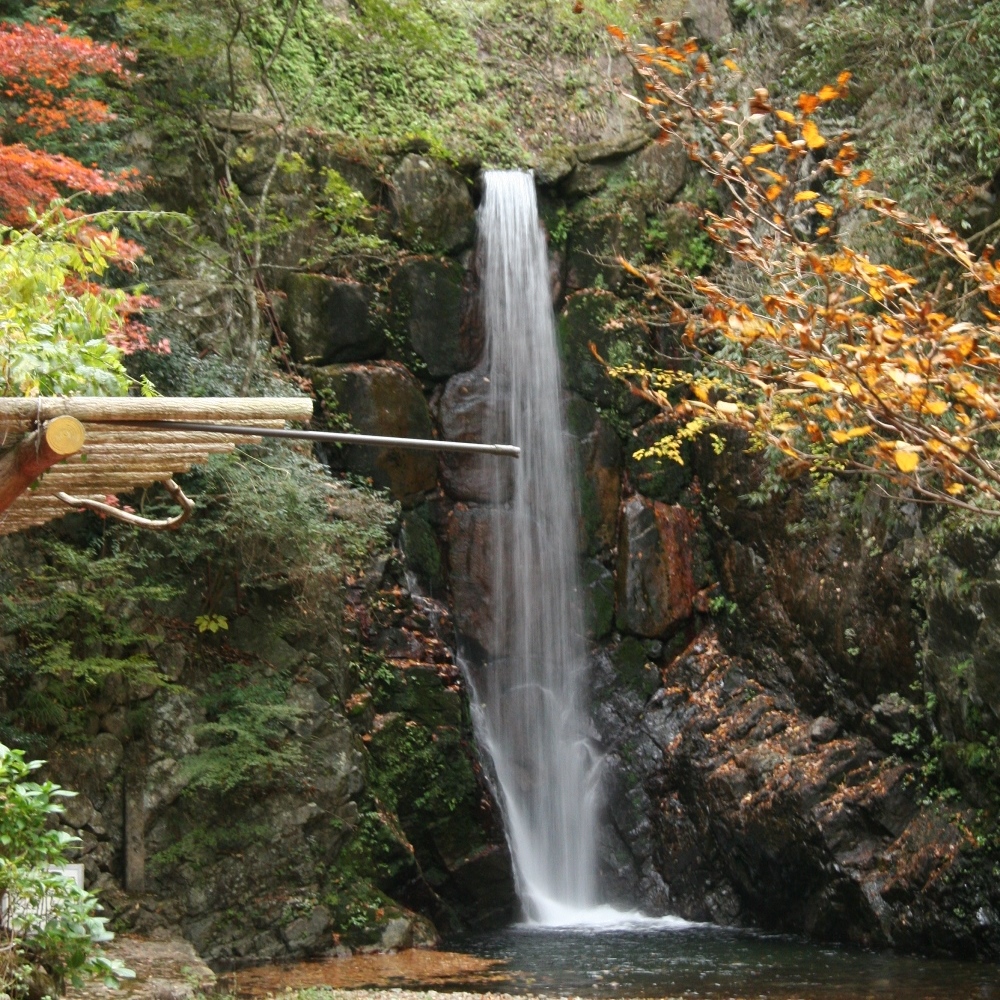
553 915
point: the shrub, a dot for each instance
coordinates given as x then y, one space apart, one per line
48 925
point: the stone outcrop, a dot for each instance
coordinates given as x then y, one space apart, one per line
599 479
383 399
597 241
470 564
328 320
464 415
431 205
655 575
428 307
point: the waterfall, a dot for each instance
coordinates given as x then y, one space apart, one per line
530 699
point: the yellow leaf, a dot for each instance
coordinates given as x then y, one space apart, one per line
936 407
782 140
857 432
824 209
700 392
820 381
773 192
786 116
731 66
762 147
806 196
811 135
954 489
822 231
840 437
828 93
906 461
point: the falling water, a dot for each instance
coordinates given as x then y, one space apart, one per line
530 700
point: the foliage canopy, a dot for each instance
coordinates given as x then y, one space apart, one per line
840 363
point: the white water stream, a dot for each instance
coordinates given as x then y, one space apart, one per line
530 702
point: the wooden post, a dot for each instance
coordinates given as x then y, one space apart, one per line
21 465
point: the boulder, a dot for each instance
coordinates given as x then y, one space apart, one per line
426 307
589 318
553 165
708 19
328 320
658 478
661 168
599 465
655 574
431 205
464 416
596 241
383 398
612 148
470 561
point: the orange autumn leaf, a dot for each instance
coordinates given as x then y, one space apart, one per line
812 136
807 103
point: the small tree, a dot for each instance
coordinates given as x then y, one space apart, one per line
840 363
47 923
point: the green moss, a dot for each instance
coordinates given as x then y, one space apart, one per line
633 667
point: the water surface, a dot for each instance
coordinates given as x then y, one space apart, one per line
644 960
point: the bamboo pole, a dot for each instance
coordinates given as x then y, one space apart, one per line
25 462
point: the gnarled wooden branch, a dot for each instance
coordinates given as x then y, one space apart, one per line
165 524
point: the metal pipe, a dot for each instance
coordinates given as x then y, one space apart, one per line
422 444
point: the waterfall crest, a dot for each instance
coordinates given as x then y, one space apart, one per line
530 700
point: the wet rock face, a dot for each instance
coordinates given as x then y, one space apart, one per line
464 415
427 305
431 205
327 320
384 399
764 812
470 562
599 479
655 573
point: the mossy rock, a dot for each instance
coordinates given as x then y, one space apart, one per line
426 307
633 668
382 398
591 317
420 547
595 241
328 320
432 207
654 477
599 606
423 696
